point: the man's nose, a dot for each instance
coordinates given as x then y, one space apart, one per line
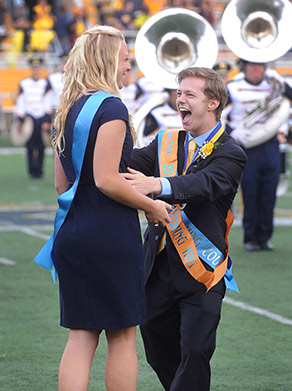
180 99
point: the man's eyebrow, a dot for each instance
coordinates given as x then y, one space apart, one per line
186 91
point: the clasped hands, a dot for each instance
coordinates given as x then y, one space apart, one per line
158 215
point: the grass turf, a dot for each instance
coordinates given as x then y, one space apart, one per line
253 352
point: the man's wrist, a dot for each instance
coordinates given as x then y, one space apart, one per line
156 185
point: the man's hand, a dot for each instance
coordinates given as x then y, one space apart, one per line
142 183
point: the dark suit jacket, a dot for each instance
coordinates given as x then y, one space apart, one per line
208 189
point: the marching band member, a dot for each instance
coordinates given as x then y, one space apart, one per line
56 81
223 69
261 176
31 102
161 117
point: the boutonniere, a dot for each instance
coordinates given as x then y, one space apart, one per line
207 148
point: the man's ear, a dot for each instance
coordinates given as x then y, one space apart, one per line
213 104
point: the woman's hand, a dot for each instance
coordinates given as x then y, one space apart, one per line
158 214
142 183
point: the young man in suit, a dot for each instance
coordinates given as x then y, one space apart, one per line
187 266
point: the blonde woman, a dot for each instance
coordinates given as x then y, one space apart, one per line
97 250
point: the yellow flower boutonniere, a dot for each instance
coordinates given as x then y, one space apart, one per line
207 148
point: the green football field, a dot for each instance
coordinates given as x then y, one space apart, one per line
254 342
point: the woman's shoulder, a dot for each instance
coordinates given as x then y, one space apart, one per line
115 108
115 102
110 109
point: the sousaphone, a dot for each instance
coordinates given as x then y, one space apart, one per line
260 31
21 132
168 42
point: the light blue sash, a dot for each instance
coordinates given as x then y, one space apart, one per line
206 250
218 128
80 138
209 253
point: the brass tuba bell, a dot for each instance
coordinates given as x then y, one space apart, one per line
168 42
258 30
172 40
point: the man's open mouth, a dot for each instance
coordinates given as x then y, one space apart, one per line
184 113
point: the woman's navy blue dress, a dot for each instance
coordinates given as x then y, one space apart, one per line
98 250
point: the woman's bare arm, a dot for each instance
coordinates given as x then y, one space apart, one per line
107 155
61 183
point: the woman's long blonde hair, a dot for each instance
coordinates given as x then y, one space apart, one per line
92 65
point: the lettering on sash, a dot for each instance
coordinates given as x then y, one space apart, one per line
197 240
169 144
167 169
189 257
212 256
174 218
179 236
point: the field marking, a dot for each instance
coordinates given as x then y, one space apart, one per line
259 311
25 230
34 233
21 151
235 303
6 261
239 304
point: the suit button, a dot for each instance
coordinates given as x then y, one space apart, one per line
156 237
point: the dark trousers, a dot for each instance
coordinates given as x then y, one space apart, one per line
180 331
35 150
259 186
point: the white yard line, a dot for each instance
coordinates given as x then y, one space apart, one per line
259 311
34 233
6 261
20 151
26 230
239 304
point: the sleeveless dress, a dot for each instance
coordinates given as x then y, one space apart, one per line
98 251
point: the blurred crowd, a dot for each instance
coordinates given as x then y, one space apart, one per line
53 25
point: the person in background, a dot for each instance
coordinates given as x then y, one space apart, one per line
97 250
31 102
197 170
62 27
42 34
161 117
126 16
79 23
206 9
223 69
22 24
57 83
259 183
129 92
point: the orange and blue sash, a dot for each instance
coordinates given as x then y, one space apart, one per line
191 244
81 131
